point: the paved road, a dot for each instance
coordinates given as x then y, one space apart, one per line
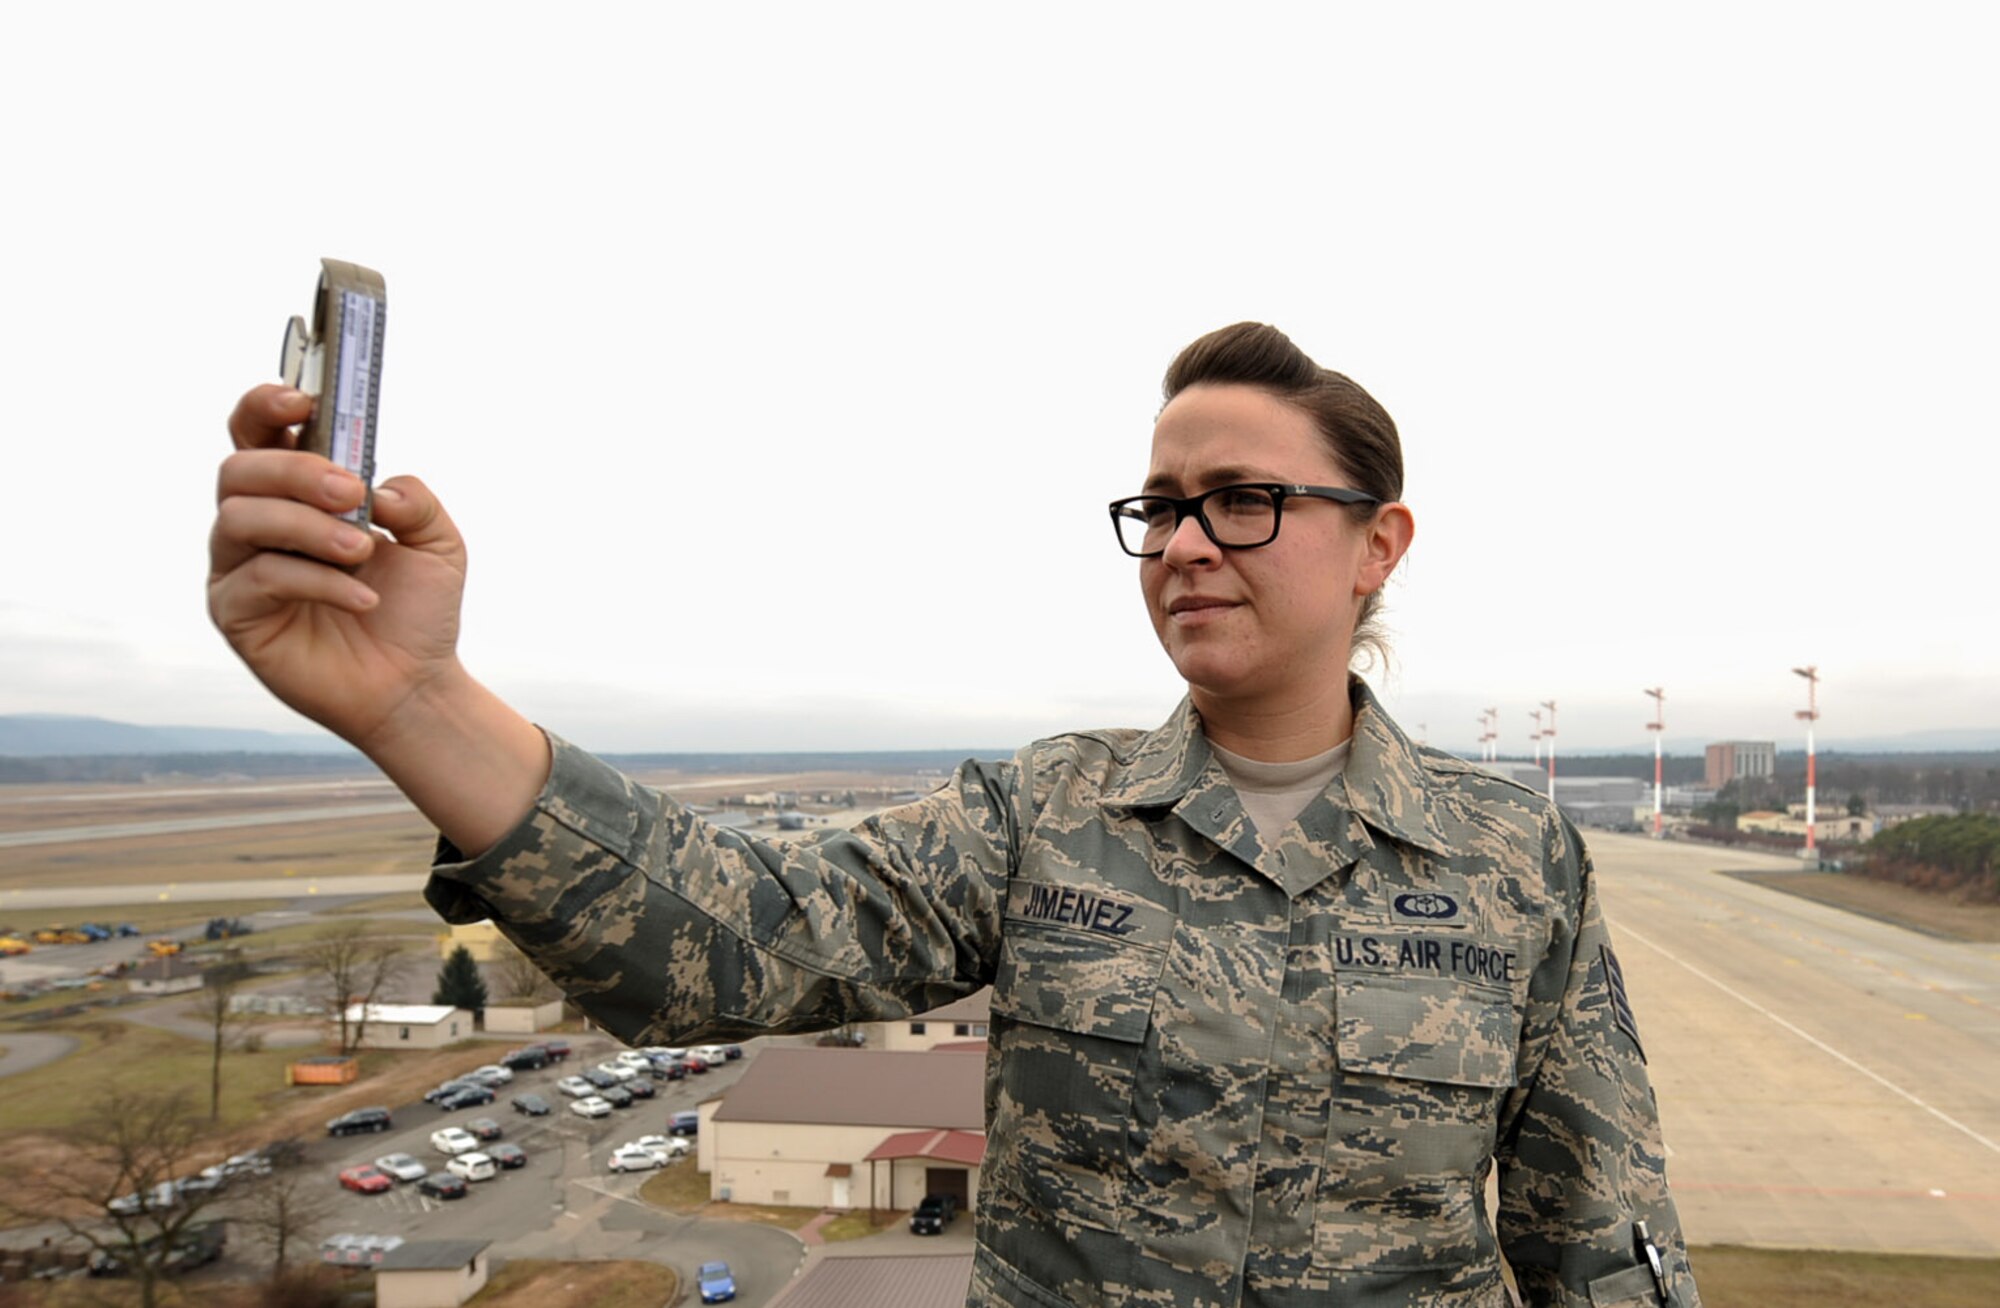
215 822
22 1051
1825 1080
13 901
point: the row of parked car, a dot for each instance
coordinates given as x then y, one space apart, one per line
171 1194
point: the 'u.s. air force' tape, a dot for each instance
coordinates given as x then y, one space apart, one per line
338 359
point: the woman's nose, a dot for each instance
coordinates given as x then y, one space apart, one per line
1189 546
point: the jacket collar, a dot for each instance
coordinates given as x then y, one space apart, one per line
1388 784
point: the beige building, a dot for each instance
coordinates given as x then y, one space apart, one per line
430 1274
1825 827
848 1128
172 975
410 1026
480 939
956 1023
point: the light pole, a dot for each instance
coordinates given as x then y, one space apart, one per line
1550 705
1809 714
1656 726
1492 735
1536 714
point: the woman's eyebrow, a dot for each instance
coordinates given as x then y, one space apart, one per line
1163 483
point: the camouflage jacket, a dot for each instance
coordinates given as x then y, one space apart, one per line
1222 1070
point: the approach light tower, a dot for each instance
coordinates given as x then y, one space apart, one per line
1493 735
1536 714
1657 726
1550 705
1809 714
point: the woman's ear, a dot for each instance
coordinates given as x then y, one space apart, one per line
1387 539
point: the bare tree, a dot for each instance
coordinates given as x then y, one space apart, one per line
222 984
124 1192
519 978
353 970
281 1206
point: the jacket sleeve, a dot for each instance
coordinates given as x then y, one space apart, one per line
667 930
1580 1155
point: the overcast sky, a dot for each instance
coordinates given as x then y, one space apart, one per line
778 360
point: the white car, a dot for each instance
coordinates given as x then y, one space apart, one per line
474 1167
638 1058
591 1107
454 1140
493 1074
713 1055
623 1071
403 1167
576 1087
668 1051
668 1147
634 1158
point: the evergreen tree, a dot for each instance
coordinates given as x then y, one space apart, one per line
459 983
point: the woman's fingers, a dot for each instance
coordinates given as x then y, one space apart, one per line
265 415
248 525
244 596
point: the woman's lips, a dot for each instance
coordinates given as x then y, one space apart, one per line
1194 610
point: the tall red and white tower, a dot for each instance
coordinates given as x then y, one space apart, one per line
1550 705
1657 726
1809 715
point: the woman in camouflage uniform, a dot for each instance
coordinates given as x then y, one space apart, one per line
1275 990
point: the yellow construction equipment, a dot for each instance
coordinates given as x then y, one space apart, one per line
165 948
10 946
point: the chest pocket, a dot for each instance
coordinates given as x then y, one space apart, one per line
1415 1108
1071 1012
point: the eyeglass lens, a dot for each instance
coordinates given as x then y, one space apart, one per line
1236 516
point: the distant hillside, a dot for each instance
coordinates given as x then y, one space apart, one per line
46 735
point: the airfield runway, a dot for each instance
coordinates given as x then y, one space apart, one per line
1825 1080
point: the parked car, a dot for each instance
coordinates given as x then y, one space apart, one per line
616 1095
485 1128
255 1163
711 1054
532 1105
557 1050
367 1179
640 1089
532 1058
732 1052
717 1285
599 1078
361 1119
157 1199
576 1087
637 1059
668 1147
509 1156
591 1107
473 1167
472 1096
454 1140
616 1071
633 1158
685 1122
403 1167
442 1185
195 1245
446 1089
357 1250
493 1074
933 1214
669 1069
695 1063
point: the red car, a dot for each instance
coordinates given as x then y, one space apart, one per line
367 1179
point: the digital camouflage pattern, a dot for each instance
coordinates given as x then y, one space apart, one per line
1222 1070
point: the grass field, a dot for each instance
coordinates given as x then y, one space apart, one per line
1920 910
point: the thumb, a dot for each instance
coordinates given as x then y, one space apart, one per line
405 508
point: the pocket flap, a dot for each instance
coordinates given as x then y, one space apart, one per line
1425 1029
1076 981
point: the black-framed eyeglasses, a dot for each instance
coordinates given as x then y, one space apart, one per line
1236 517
